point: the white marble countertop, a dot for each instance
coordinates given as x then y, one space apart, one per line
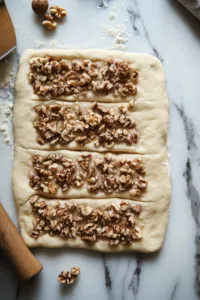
167 30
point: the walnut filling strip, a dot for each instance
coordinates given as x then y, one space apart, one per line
69 174
105 126
51 78
56 172
42 220
116 223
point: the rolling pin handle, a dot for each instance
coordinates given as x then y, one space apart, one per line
21 257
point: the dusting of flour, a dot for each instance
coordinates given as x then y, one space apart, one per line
6 108
8 69
119 34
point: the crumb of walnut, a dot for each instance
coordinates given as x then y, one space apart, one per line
84 161
69 277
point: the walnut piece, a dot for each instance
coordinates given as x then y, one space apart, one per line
49 23
58 12
40 6
69 277
53 171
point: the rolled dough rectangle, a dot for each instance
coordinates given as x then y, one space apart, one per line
151 115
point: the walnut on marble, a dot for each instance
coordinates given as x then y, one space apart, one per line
69 277
57 12
49 23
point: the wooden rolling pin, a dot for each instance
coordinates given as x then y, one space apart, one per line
25 263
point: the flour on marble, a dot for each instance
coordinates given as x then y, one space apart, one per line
6 108
6 73
8 69
119 34
112 16
56 43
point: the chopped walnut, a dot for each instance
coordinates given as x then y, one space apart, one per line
69 277
52 78
115 223
107 174
58 124
86 210
84 161
53 172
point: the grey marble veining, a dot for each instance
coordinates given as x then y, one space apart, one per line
139 27
166 30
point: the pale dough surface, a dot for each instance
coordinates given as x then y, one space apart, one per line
151 123
151 115
151 85
153 216
156 176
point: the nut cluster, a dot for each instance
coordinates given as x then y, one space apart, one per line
69 277
56 13
108 175
58 124
52 78
116 223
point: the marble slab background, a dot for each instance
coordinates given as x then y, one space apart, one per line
166 30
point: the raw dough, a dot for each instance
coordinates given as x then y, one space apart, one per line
151 115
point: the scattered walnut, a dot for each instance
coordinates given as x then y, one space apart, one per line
40 6
58 12
75 271
69 277
49 22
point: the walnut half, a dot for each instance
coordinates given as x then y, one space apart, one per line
69 277
58 12
49 22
